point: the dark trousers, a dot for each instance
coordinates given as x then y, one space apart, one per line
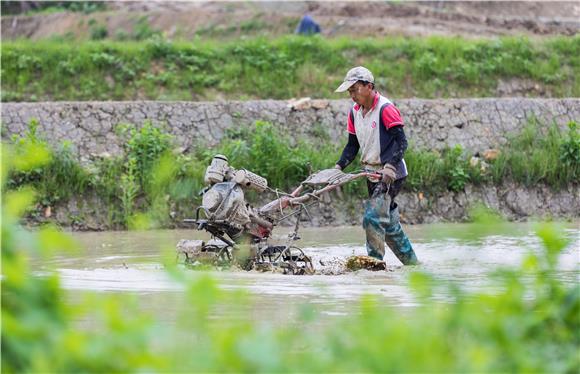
394 189
382 224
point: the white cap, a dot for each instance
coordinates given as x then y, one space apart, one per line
360 73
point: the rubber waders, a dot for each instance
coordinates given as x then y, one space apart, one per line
382 224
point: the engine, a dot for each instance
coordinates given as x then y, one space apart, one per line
224 202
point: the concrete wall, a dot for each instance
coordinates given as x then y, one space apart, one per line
476 124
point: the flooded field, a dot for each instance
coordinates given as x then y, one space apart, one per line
132 263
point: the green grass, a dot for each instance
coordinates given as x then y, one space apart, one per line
540 154
527 321
259 68
553 159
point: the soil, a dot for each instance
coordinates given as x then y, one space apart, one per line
184 20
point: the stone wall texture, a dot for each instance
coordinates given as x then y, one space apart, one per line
476 124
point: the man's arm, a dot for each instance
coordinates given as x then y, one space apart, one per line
349 152
399 144
392 154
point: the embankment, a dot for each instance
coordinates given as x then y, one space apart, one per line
475 124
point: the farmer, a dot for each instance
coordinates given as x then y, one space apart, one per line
375 128
307 26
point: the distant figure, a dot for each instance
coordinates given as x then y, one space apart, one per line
307 26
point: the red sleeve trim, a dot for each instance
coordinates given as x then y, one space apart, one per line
391 117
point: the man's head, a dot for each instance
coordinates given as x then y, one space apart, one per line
360 84
360 73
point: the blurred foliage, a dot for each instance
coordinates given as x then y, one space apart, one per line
58 179
39 333
293 66
143 146
97 31
529 323
127 183
33 7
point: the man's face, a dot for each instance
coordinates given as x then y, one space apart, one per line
360 93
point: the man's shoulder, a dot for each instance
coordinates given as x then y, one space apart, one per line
383 100
389 115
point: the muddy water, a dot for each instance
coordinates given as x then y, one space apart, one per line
132 263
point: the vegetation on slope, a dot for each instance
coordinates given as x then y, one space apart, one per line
288 67
127 183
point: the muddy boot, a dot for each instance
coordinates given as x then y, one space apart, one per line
398 241
375 241
374 220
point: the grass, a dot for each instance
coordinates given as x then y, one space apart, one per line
126 185
259 68
527 322
533 159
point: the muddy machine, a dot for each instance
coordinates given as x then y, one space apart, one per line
240 232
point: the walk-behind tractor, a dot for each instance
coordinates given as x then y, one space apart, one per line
240 232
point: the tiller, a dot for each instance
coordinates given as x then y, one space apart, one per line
240 232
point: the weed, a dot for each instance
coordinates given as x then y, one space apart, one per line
98 32
252 25
142 30
143 147
570 151
129 188
457 175
458 179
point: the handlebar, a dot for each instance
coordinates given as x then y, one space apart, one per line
294 199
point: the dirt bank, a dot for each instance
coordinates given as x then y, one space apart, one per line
185 20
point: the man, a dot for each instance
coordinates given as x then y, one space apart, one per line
375 128
307 26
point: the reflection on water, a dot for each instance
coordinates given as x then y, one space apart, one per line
133 262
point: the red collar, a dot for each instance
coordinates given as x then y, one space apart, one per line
375 102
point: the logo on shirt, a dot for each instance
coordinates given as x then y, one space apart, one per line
374 124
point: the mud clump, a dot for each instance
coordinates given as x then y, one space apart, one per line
339 266
355 263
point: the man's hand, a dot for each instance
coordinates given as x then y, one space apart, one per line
389 173
337 166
